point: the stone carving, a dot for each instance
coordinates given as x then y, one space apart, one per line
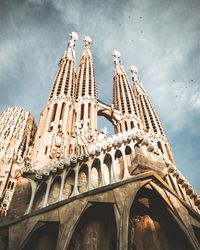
57 147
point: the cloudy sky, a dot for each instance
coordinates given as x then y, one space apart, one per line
161 37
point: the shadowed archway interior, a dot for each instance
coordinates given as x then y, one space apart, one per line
151 226
44 236
96 229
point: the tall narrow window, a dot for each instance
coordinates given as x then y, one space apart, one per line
82 111
53 115
62 112
160 147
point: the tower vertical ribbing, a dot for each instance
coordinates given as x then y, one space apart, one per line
55 125
151 122
123 98
85 115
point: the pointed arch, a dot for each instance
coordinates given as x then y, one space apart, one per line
43 236
151 225
96 229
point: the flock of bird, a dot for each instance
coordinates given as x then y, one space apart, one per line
141 31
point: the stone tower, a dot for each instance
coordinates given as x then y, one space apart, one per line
55 125
150 119
85 113
17 130
123 98
83 189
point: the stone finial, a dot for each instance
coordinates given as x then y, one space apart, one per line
74 36
116 55
70 53
134 71
71 43
87 42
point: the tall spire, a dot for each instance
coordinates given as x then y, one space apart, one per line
65 77
55 126
123 97
85 116
151 122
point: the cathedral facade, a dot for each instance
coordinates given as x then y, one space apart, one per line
66 185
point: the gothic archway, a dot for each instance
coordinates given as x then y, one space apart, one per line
43 236
151 225
96 229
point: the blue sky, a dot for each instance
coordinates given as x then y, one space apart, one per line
162 38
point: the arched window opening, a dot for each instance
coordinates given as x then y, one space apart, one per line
119 165
107 167
83 178
95 174
39 197
96 229
151 224
69 184
130 156
54 191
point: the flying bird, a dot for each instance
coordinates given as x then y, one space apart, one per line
192 80
129 17
120 24
140 17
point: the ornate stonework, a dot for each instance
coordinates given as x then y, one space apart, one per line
80 188
17 130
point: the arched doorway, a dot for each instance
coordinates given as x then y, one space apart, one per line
96 229
152 226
